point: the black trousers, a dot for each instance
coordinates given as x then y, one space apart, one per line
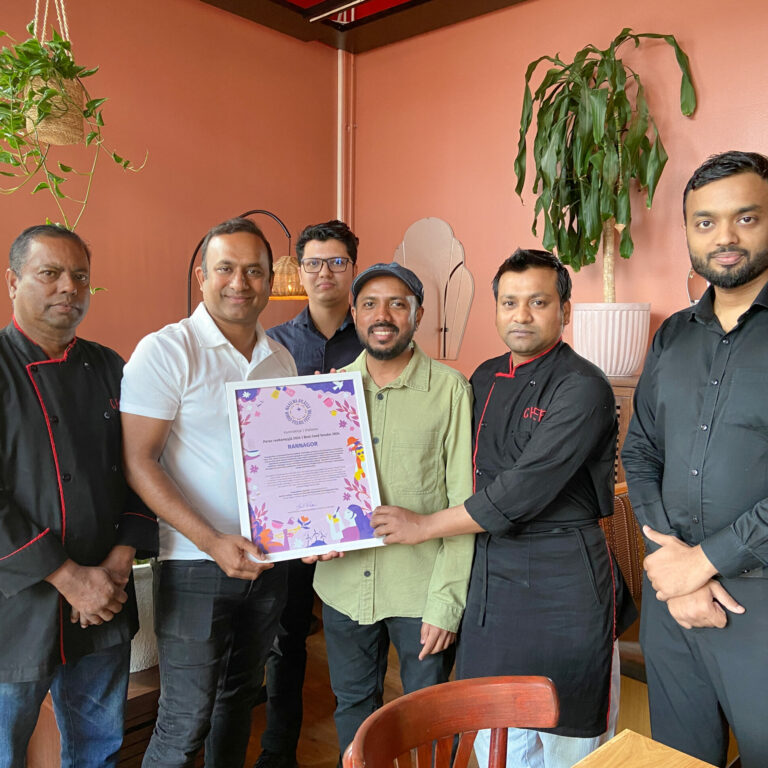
702 679
287 662
213 635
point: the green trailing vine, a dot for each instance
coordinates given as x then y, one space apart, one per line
36 81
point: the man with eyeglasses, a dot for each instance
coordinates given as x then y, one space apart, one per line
321 337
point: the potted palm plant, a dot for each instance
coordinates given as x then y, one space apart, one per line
43 103
594 135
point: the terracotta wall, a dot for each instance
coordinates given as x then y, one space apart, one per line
236 116
437 130
199 90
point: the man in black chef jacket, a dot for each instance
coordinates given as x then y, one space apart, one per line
696 458
69 527
542 595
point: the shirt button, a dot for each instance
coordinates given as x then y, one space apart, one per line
694 472
107 415
367 573
695 519
704 427
478 472
375 440
54 419
114 467
33 368
714 382
726 341
379 396
86 365
66 477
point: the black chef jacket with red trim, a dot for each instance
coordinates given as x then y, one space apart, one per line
542 595
62 495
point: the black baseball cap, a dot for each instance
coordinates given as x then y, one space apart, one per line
392 270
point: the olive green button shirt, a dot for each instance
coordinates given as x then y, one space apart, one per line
421 426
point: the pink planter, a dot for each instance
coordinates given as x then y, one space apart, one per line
612 336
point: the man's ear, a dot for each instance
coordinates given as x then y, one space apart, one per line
12 280
200 277
566 313
419 315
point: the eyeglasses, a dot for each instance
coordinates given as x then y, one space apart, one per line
337 264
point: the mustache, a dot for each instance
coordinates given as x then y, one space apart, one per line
727 249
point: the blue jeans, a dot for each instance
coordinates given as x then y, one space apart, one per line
357 663
89 703
213 636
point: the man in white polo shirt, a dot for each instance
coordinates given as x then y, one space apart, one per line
216 611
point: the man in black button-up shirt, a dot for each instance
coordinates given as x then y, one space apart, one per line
696 459
69 526
321 337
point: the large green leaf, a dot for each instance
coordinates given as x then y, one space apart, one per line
591 138
598 104
657 159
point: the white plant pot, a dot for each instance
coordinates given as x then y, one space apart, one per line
144 644
612 336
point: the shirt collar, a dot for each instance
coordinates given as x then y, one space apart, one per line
304 319
531 364
704 309
209 334
415 375
33 351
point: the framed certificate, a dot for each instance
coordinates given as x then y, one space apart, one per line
306 479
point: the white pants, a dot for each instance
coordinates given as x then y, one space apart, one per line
534 749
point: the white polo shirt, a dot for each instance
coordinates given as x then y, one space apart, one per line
178 374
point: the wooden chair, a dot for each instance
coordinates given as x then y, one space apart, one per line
626 542
427 722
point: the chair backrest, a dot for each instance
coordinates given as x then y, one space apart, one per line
626 541
425 723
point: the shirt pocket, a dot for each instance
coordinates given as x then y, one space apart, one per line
747 405
414 464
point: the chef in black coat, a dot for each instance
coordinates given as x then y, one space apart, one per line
543 591
69 525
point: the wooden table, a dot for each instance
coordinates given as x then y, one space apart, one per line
631 750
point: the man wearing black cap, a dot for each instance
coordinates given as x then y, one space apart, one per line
420 414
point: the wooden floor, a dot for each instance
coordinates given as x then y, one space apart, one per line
318 746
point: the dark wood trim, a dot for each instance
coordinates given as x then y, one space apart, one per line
372 32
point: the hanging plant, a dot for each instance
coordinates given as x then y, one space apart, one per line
43 103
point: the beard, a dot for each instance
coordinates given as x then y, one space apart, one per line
739 274
399 345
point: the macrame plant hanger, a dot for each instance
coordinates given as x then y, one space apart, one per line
64 125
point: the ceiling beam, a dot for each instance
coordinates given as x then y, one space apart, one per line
389 27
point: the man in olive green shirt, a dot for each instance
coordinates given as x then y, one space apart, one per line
420 413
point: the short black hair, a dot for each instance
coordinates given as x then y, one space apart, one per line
724 165
231 227
329 230
523 259
17 257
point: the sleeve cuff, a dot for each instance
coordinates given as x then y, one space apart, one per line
139 530
442 615
486 514
31 563
728 554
